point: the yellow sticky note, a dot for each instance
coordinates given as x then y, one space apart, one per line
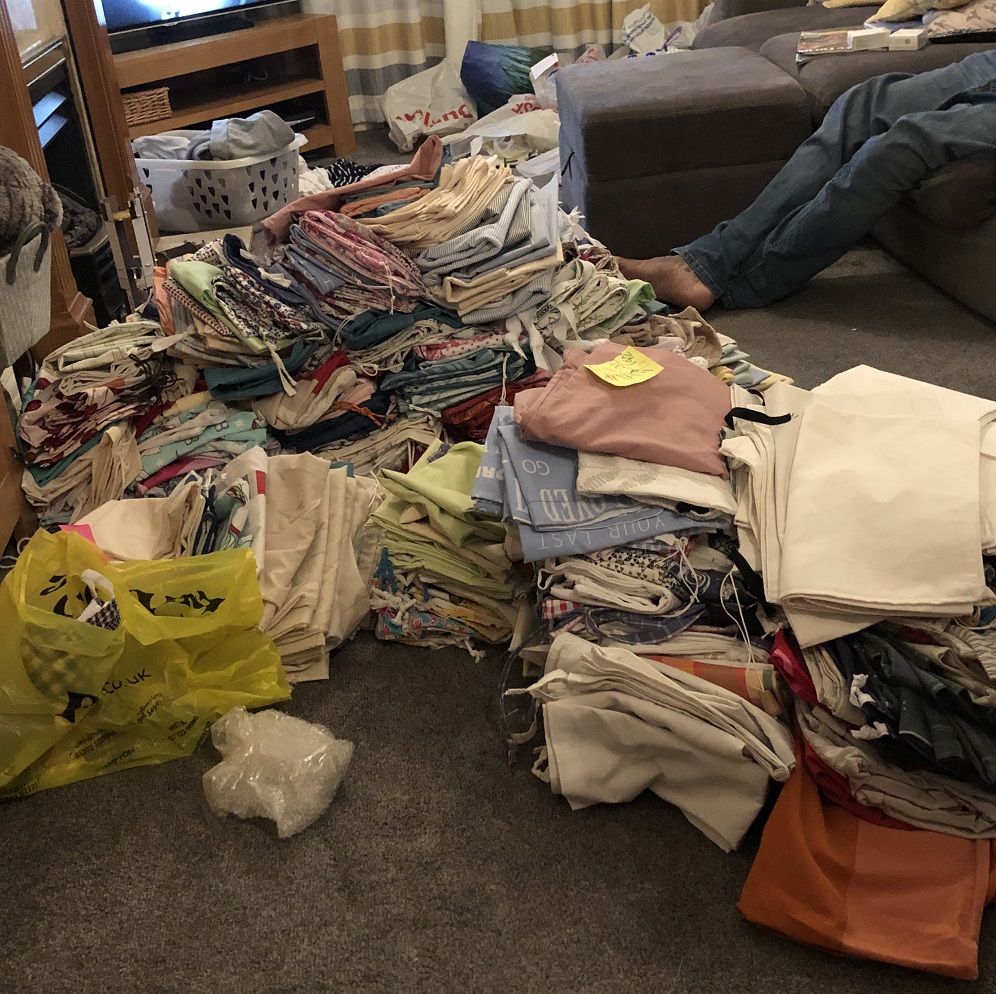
627 368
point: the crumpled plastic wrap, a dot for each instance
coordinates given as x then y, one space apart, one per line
275 766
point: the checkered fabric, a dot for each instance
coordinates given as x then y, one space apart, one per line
57 676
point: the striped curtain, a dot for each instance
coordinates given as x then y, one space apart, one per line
384 41
569 26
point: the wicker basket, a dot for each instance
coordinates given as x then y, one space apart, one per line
146 106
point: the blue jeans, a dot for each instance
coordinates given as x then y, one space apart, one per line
878 141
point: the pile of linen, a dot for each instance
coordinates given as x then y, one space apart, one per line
74 426
504 262
621 499
867 507
447 573
225 309
351 269
617 724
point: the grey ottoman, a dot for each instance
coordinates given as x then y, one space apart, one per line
658 150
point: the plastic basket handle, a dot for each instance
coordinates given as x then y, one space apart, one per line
23 238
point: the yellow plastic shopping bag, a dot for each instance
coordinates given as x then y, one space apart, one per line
105 667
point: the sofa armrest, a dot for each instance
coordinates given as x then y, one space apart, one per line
724 9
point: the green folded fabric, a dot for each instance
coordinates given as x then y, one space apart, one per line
411 552
197 278
442 484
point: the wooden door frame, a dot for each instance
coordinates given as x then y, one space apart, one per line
70 308
91 46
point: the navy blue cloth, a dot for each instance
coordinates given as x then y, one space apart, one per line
247 382
351 425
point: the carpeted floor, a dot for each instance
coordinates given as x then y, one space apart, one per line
438 867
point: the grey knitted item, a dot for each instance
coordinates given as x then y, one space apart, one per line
24 199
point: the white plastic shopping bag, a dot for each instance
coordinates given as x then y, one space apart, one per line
433 102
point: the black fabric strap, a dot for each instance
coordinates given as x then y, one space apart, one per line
746 414
752 580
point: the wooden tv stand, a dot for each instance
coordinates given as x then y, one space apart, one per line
238 72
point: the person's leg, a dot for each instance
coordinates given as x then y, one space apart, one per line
819 232
701 271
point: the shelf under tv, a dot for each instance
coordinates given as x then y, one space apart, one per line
302 56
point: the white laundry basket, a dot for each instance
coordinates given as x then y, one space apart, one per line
202 194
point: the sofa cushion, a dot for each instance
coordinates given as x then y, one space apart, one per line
826 77
978 19
683 111
753 30
959 196
724 9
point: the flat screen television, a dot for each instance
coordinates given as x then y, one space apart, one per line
128 15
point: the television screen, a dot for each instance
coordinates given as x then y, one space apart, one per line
123 14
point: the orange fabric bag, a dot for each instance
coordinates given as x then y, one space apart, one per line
826 878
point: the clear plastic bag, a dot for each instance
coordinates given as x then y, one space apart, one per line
275 766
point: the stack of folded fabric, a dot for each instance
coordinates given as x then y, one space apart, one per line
460 199
333 386
195 433
470 420
315 582
534 486
351 268
73 426
432 385
446 576
380 341
585 303
617 724
504 262
882 597
402 182
227 310
396 446
839 559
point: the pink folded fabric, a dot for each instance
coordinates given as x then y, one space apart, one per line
673 419
424 165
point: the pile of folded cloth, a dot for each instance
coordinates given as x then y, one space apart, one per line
866 509
617 724
621 497
504 261
303 521
224 309
840 558
74 426
193 434
447 573
350 268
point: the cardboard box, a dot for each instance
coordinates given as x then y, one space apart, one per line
908 39
868 39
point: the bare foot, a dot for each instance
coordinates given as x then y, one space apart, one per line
673 280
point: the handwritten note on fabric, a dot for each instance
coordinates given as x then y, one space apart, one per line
628 368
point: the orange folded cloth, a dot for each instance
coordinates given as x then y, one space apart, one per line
826 878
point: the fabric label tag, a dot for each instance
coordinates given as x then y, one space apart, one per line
628 368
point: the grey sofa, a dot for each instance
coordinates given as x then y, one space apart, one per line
657 151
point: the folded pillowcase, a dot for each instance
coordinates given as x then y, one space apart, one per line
978 18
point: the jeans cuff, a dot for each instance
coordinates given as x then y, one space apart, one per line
695 266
